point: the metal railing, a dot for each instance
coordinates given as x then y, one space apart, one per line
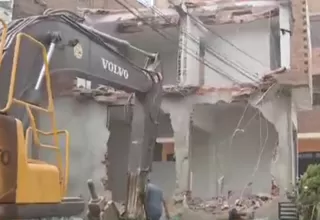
57 149
29 106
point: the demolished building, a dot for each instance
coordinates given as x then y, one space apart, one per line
230 103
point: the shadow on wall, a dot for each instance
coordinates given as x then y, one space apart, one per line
238 148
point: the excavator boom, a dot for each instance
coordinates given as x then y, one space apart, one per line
78 50
73 50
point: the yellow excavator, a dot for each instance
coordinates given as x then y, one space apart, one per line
33 50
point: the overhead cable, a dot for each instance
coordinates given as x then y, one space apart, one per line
222 38
205 62
211 51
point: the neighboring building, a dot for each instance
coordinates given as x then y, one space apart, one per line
309 125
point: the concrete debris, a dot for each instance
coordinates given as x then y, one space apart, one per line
223 205
175 90
101 94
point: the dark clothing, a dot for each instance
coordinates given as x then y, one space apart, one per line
154 202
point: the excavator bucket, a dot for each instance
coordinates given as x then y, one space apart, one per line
32 188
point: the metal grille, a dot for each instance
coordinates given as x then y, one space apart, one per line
287 211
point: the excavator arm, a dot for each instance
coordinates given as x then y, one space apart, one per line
75 50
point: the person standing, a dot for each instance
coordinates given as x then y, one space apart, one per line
154 202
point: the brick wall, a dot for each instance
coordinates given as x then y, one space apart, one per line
308 145
309 121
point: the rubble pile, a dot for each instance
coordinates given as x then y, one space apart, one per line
218 205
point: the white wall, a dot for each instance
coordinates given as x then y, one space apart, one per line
253 38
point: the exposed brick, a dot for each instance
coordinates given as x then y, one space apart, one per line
308 121
299 46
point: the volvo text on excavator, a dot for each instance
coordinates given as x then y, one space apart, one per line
34 49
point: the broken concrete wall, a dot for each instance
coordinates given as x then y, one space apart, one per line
232 151
209 145
181 110
87 123
278 110
246 58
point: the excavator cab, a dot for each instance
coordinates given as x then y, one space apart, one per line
32 188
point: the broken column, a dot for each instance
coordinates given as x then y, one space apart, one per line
180 114
119 125
277 110
181 127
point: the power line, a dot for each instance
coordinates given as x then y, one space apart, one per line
205 62
221 37
216 53
209 49
216 34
